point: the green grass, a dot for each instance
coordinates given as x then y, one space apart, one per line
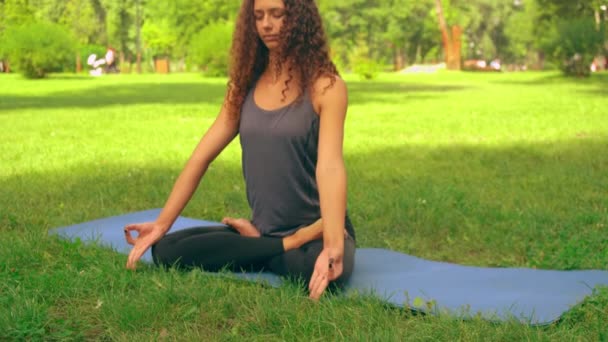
479 169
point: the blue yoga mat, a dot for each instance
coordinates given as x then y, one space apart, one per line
536 297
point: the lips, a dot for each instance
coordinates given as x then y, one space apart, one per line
270 38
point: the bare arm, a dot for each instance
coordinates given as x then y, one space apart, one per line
217 137
331 173
331 179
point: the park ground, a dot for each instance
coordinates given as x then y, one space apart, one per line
505 170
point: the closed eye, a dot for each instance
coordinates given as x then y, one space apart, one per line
278 13
274 12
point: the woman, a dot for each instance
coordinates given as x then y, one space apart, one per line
288 105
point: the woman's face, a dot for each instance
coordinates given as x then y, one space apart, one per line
269 15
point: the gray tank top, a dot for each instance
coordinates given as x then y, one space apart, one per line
279 158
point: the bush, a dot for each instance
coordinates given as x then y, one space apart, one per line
366 68
361 63
577 43
210 48
36 49
158 38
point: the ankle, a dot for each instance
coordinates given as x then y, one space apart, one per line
290 242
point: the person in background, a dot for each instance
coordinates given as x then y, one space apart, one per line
111 60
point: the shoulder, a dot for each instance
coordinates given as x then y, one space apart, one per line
329 91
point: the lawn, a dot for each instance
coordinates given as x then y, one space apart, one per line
507 170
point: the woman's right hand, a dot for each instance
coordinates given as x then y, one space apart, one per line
147 234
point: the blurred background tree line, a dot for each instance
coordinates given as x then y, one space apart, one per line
366 36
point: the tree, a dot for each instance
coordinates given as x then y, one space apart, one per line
180 21
450 39
37 48
119 15
79 17
209 49
519 30
578 42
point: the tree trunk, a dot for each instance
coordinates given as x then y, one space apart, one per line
451 42
456 48
398 58
138 34
78 63
123 65
541 60
445 34
138 62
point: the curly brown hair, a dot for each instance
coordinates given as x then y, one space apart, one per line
304 44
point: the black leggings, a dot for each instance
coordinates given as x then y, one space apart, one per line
219 248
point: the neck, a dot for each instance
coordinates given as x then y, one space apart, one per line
274 74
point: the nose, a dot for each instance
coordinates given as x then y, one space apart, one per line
266 24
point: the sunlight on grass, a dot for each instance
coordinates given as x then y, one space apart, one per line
478 169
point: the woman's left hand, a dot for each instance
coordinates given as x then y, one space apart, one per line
328 267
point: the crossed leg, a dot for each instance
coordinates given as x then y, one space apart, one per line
224 247
300 237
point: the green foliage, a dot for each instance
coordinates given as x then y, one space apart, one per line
519 30
184 19
577 43
78 16
36 49
158 37
362 63
119 18
389 28
569 8
16 12
365 67
210 48
394 31
13 13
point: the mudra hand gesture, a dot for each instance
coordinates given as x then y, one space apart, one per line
328 267
147 234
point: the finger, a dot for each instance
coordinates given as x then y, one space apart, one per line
132 227
141 246
129 238
314 279
320 288
138 250
130 264
132 260
316 283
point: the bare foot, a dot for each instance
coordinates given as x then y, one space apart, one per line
243 226
304 235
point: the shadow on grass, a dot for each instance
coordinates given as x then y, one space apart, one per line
196 93
120 94
68 76
361 92
597 79
527 205
541 79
